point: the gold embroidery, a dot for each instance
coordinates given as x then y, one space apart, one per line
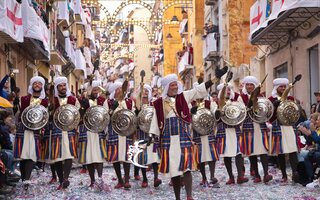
35 101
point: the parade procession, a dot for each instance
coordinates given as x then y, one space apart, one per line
160 99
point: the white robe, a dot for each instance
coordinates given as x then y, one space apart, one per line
93 152
65 144
175 149
205 148
258 146
122 140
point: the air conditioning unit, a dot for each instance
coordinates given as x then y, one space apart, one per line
211 2
213 56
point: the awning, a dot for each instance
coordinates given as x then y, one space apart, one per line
270 27
11 29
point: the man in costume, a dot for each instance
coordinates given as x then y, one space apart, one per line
61 148
27 142
283 138
92 146
206 151
171 122
117 145
150 156
229 139
256 139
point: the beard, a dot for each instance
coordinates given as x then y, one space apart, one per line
37 90
62 92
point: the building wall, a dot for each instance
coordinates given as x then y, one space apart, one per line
19 62
142 60
195 26
297 57
240 50
173 45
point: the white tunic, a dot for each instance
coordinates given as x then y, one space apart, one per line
289 140
258 146
205 148
175 149
122 140
65 143
93 152
29 145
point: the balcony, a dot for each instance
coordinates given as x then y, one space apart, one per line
58 53
36 34
210 47
287 21
211 2
11 29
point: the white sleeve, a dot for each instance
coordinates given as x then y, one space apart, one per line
77 104
154 128
106 105
213 107
197 93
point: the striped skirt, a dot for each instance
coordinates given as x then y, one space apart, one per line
151 153
27 144
92 146
117 146
205 150
176 148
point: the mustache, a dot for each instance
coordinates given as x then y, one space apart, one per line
35 90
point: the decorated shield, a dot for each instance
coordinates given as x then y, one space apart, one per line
96 119
35 117
233 113
124 122
66 117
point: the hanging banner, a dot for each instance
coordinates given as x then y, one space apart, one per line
11 19
33 26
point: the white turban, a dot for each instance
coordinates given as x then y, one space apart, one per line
148 87
58 81
96 83
37 79
249 79
278 82
165 82
220 86
113 87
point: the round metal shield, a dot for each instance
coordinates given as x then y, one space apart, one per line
203 121
35 117
145 117
234 113
288 113
124 122
66 117
263 112
96 119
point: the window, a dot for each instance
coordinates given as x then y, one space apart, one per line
281 71
314 71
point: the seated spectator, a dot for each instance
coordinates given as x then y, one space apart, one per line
6 147
313 151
